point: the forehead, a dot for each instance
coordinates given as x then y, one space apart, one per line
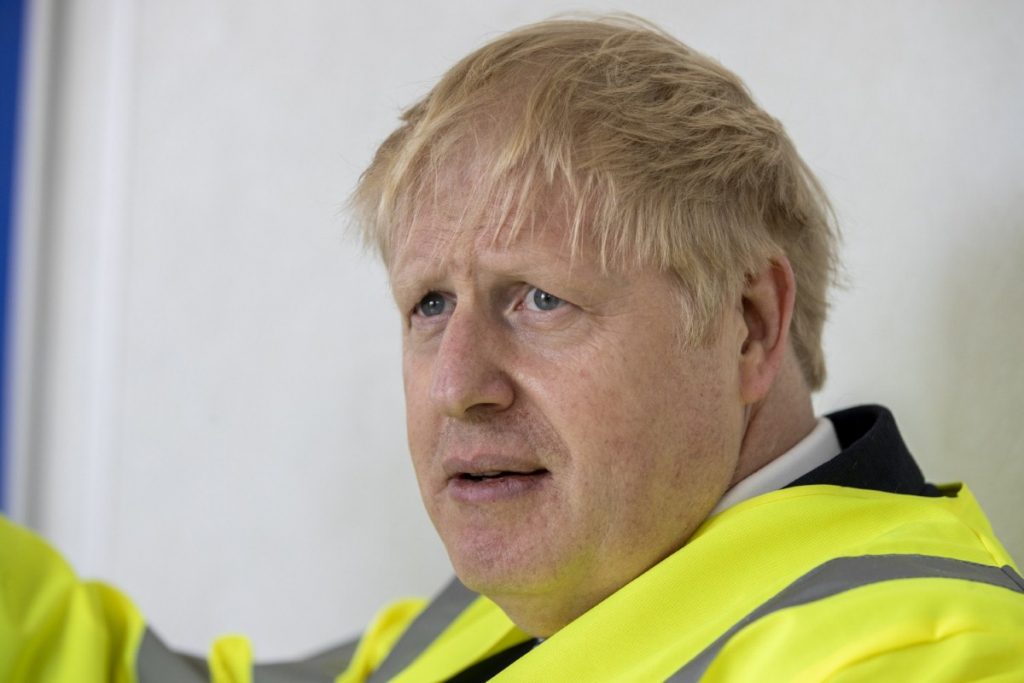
453 227
440 243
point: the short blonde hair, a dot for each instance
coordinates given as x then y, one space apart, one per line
659 155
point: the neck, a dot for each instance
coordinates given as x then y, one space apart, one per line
778 421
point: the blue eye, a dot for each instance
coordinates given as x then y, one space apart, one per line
432 304
539 300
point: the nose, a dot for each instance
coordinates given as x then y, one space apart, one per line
468 371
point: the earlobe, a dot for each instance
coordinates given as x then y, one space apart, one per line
768 300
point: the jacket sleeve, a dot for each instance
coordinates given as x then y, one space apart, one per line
54 627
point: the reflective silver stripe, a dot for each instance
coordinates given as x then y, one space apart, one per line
323 667
424 630
156 663
846 573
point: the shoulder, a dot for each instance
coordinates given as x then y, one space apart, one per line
53 622
938 628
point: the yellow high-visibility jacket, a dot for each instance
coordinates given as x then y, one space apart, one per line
845 585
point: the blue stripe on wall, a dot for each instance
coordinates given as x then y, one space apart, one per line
11 44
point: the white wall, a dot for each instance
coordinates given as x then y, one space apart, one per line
210 407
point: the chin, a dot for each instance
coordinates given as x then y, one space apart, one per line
495 565
493 573
538 600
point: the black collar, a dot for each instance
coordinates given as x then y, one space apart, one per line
873 457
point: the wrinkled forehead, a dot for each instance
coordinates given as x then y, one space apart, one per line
454 217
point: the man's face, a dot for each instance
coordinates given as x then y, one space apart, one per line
563 438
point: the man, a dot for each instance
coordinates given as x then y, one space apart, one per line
612 268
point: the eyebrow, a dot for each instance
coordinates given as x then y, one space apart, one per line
529 263
522 264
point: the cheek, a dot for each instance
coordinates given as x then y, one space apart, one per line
416 377
653 423
420 428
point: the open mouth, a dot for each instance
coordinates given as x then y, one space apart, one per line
479 477
488 476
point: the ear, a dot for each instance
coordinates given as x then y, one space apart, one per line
767 311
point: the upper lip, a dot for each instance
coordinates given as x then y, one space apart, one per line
488 463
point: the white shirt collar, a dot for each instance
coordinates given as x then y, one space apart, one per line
814 450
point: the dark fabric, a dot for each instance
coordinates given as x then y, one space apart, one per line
493 665
874 457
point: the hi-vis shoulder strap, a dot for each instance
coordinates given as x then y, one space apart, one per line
427 627
846 573
829 579
156 664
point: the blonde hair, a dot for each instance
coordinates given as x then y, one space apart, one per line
657 154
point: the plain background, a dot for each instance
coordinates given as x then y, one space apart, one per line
208 407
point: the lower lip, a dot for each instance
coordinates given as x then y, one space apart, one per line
495 489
